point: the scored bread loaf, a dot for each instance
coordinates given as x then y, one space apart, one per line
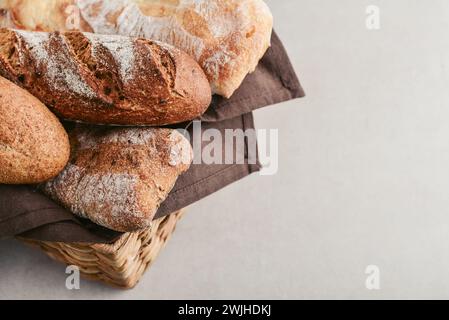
118 177
226 37
105 79
34 146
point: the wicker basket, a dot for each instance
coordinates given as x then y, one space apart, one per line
120 264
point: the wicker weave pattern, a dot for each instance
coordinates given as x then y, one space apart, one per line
120 264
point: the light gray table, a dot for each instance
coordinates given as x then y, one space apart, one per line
363 177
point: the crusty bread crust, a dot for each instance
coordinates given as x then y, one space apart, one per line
119 177
105 79
226 37
34 146
41 15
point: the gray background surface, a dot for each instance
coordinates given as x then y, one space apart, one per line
363 177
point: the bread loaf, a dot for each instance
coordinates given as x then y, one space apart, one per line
41 15
34 146
105 79
118 177
226 37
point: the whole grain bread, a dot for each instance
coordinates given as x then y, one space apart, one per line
118 177
226 37
34 146
105 79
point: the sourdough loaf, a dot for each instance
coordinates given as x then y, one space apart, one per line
105 79
34 146
118 177
226 37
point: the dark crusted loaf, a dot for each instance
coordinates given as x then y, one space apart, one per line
105 79
118 177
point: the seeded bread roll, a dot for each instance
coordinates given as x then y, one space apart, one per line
105 79
118 177
34 146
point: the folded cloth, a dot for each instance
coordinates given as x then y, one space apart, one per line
274 81
26 212
202 180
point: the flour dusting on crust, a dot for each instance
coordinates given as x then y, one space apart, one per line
226 37
121 48
86 193
62 73
180 151
127 136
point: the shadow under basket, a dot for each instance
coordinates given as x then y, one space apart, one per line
120 264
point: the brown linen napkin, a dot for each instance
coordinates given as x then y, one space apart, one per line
202 180
274 81
26 212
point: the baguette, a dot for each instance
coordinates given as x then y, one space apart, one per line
34 146
105 79
119 177
226 37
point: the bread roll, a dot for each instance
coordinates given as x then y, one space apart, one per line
34 146
105 79
119 177
226 37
